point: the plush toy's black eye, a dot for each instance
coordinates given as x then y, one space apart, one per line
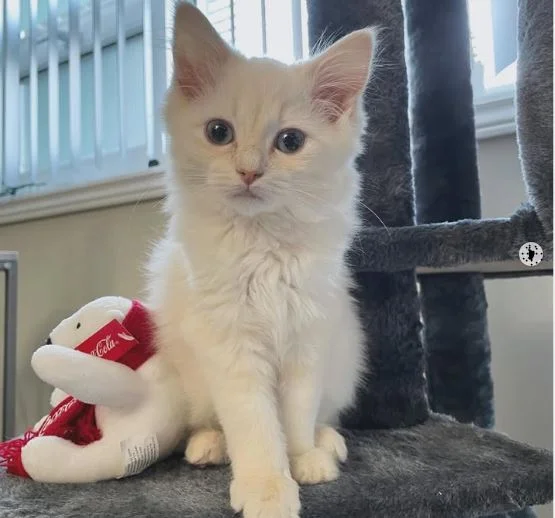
78 325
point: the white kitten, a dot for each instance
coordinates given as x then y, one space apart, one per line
250 287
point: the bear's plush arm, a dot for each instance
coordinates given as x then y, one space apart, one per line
88 378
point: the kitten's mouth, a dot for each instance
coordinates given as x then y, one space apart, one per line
246 194
250 201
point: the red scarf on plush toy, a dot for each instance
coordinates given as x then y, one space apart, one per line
129 343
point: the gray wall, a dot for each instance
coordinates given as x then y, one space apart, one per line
520 317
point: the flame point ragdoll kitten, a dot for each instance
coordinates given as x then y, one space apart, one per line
249 287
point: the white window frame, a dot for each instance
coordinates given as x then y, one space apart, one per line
494 117
494 110
55 199
133 26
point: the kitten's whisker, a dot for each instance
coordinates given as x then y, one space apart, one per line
377 217
360 203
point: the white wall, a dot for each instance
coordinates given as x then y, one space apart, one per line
520 317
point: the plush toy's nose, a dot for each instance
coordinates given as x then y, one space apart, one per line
48 341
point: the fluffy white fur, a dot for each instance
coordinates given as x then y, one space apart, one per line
251 292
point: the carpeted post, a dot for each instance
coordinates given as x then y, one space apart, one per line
394 394
447 189
534 101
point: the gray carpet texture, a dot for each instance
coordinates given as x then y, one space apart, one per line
437 469
448 243
430 352
445 171
534 102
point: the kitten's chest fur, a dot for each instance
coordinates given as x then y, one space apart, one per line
276 287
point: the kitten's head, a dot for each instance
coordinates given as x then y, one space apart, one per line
255 135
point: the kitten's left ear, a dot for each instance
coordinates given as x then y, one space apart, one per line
339 75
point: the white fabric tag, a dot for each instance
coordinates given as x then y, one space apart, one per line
139 453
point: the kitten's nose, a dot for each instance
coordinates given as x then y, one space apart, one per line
249 177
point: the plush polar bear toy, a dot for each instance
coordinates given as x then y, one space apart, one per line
102 355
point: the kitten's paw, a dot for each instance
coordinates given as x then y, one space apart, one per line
206 447
314 466
269 497
332 441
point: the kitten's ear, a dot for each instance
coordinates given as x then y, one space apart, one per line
339 75
199 52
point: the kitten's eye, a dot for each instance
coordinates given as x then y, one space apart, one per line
78 325
290 140
219 132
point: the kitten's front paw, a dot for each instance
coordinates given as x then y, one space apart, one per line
270 497
206 447
332 441
314 466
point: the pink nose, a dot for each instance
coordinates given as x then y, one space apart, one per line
249 177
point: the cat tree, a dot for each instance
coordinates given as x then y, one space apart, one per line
407 459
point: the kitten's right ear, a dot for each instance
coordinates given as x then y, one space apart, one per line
199 52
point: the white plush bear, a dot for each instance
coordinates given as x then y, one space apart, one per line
140 413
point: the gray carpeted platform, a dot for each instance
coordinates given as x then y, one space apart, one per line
437 469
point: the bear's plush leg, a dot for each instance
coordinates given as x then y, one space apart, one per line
53 459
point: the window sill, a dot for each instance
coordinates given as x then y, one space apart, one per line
122 190
495 117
